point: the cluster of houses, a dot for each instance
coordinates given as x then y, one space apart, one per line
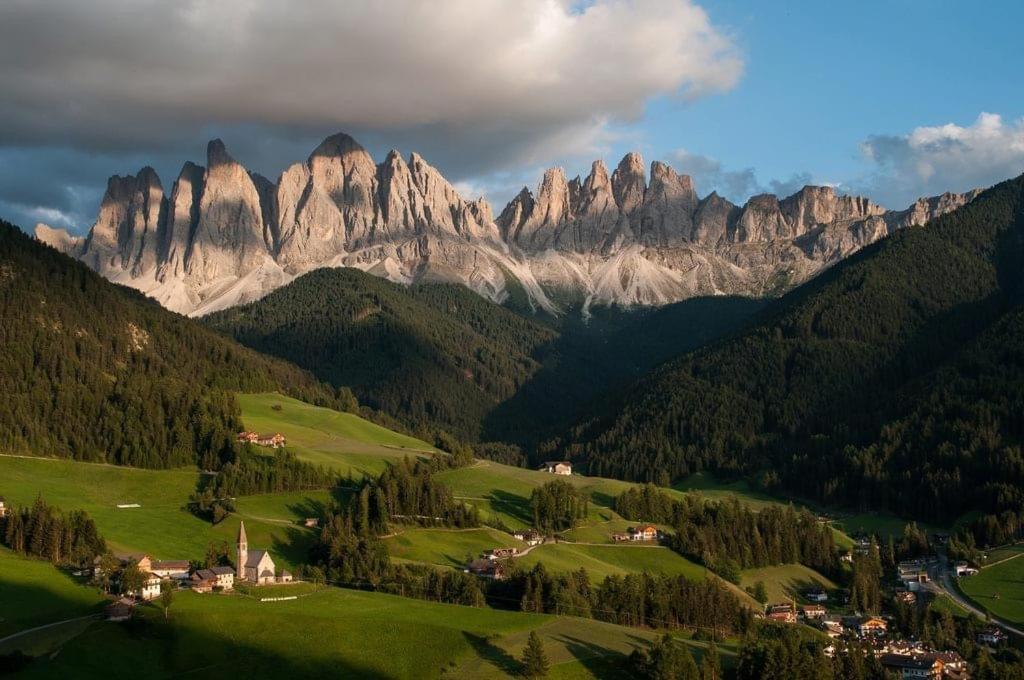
494 563
256 567
274 441
918 663
644 532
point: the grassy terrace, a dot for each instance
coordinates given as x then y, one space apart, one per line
356 634
999 587
342 441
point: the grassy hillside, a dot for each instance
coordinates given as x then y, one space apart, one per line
356 634
999 587
435 356
94 371
860 386
341 441
34 593
786 581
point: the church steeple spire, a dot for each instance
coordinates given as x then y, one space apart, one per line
243 552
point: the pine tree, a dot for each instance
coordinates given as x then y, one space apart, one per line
535 660
710 664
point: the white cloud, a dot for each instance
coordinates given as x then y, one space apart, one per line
541 76
950 157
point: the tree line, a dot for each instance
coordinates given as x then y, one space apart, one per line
64 538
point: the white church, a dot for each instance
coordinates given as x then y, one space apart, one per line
256 566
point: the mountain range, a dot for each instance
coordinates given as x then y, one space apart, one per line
225 236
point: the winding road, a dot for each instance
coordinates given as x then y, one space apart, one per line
944 584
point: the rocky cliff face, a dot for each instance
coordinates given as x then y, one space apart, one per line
226 236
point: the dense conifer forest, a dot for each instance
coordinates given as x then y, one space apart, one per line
894 380
97 372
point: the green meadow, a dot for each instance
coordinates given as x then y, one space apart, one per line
324 632
342 441
786 581
999 588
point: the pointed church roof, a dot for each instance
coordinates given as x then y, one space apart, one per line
241 533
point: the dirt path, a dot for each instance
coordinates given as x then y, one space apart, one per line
48 625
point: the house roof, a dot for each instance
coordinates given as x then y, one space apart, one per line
205 574
170 564
222 570
908 661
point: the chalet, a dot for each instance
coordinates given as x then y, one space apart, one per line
964 569
871 626
813 611
992 637
3 507
912 666
274 441
781 613
529 537
487 569
501 553
120 610
816 595
644 532
557 467
176 569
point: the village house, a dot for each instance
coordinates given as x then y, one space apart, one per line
964 569
311 522
621 537
913 574
991 636
487 569
150 589
274 441
781 613
644 532
176 569
925 665
832 627
816 595
557 467
871 626
501 553
529 537
3 507
813 611
205 580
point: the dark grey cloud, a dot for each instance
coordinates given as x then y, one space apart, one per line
476 86
736 185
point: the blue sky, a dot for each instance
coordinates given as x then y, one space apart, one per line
879 98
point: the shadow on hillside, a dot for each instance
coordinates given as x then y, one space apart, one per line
147 646
295 546
514 505
600 661
497 656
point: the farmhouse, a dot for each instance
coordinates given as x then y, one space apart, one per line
176 569
150 589
274 441
644 532
781 613
205 580
813 611
816 595
529 537
558 467
501 553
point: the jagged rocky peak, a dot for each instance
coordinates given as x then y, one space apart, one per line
59 239
714 220
761 220
125 236
182 217
668 208
629 182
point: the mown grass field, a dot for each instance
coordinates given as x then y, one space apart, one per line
161 526
446 547
786 581
605 560
326 632
341 441
999 588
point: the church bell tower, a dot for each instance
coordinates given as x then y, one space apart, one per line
243 552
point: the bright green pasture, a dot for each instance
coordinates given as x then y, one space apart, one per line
342 441
786 581
446 547
999 588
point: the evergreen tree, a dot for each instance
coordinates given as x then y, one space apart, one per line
535 659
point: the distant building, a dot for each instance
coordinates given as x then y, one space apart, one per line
906 596
559 467
501 553
644 532
311 522
992 637
781 613
274 441
816 595
913 574
871 626
3 507
176 569
622 538
151 588
813 611
964 569
528 536
203 581
925 665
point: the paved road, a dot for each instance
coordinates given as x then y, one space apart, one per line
944 584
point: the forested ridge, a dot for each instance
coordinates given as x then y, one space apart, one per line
435 356
94 371
896 379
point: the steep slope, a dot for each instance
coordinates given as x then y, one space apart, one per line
893 379
226 236
431 355
94 371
